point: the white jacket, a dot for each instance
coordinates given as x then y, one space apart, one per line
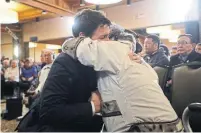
132 85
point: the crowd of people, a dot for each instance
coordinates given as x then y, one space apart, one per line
24 76
100 74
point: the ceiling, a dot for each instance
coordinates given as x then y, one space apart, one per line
32 10
29 10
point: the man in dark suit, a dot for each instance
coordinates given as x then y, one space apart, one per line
65 100
185 51
155 55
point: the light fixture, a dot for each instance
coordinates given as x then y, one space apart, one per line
102 2
32 45
44 12
128 2
7 15
82 3
52 46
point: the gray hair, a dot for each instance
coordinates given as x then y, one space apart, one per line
117 33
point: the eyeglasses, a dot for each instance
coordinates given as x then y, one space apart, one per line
182 42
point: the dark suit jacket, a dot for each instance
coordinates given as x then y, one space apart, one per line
193 56
64 101
157 59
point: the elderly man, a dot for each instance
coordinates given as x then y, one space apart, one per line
127 88
185 51
48 58
11 77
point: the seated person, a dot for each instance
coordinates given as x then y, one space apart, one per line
28 74
185 52
132 99
11 77
48 59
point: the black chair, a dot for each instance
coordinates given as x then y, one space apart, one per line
186 89
162 72
192 108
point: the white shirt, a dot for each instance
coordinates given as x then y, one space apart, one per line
12 72
132 85
42 77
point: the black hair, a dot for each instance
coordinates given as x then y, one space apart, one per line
155 39
187 35
87 21
199 44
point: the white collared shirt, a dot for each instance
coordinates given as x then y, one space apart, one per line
12 72
42 77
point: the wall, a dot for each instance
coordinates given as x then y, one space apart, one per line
48 29
140 14
38 50
5 38
148 13
7 50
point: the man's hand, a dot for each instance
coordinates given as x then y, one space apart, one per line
96 99
135 57
30 79
23 78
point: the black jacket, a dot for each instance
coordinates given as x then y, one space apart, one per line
157 59
64 104
193 56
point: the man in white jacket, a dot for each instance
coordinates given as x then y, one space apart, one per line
132 99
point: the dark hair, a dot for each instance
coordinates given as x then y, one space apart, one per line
187 35
199 44
87 21
155 39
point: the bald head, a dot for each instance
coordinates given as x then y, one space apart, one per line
48 56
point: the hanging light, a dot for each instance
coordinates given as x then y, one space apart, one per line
102 2
44 12
7 15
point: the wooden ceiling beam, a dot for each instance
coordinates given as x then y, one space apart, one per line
49 7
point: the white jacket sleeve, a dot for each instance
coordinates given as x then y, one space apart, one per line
97 54
43 76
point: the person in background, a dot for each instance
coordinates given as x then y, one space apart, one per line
28 74
11 77
173 51
198 48
185 51
48 57
42 59
165 48
154 55
6 64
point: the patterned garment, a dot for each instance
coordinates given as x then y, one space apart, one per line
175 126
